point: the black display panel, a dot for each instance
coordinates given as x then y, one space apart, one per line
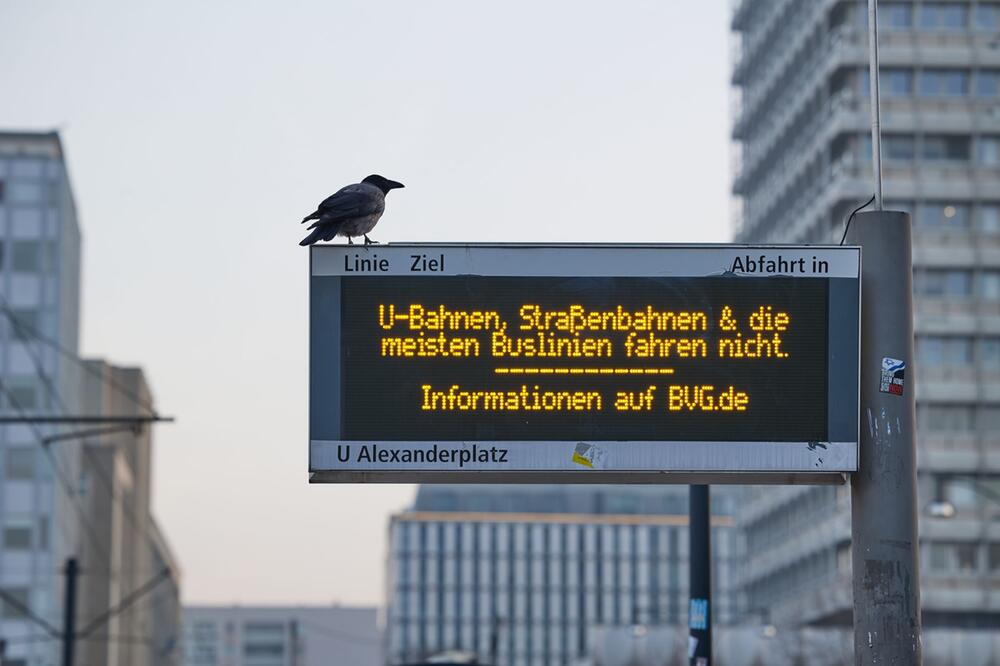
490 358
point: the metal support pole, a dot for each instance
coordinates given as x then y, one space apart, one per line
69 612
700 578
875 104
884 490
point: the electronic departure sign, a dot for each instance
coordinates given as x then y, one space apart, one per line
584 363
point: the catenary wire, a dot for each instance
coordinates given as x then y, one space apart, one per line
851 217
34 333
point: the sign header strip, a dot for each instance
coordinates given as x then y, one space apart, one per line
587 261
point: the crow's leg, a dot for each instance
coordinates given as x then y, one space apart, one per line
369 241
349 241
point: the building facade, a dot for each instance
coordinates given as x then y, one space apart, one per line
39 291
523 576
129 552
280 636
803 162
80 497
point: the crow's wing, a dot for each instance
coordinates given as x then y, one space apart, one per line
351 201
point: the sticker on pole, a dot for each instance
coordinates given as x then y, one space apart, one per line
892 376
698 614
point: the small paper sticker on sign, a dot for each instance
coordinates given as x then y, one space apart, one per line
589 455
892 376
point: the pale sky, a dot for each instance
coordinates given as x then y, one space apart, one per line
199 133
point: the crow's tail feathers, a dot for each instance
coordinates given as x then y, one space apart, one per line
311 216
316 235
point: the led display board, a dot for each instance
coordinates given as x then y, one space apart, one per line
579 363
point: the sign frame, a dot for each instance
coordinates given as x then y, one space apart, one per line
659 461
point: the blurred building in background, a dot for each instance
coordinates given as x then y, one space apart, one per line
281 636
130 553
519 575
84 495
40 287
803 163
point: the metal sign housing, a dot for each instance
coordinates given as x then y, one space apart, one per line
583 363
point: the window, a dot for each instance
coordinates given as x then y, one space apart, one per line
988 151
989 285
896 82
263 649
989 420
1 191
22 397
27 323
899 148
954 556
941 418
987 15
994 556
941 216
943 16
988 83
945 148
965 557
934 282
940 350
26 193
989 352
943 82
17 538
25 256
19 463
9 611
960 492
894 15
988 217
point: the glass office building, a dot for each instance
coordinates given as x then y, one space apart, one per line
524 575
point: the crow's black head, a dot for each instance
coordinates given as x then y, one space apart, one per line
381 183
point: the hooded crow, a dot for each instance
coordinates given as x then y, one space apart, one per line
353 211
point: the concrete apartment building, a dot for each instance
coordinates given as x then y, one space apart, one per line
39 285
528 575
803 162
130 551
281 636
86 498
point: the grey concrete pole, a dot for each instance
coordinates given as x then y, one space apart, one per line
884 490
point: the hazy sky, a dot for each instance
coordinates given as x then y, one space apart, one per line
199 133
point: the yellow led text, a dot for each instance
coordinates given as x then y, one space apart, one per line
704 398
578 318
438 345
417 317
762 321
527 399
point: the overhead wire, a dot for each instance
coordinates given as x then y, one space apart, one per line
72 356
58 473
129 510
851 217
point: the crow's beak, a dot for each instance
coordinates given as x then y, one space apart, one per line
393 185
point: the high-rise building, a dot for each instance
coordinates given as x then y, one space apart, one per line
525 575
86 494
804 161
281 636
40 288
